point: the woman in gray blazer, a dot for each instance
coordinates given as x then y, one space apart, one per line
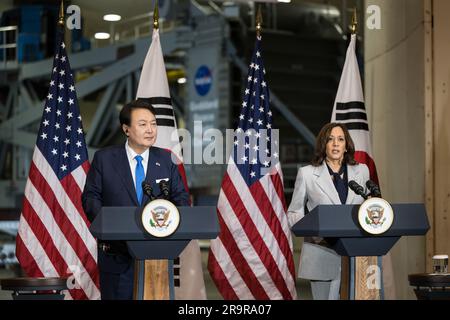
325 181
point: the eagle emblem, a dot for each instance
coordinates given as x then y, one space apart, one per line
160 217
375 215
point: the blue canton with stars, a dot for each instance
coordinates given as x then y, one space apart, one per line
253 142
61 138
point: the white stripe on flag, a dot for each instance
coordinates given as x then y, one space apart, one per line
231 273
256 216
61 244
350 110
279 210
165 117
246 247
35 248
163 106
261 225
65 202
79 175
270 190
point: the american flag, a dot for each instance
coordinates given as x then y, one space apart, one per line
53 238
349 109
252 257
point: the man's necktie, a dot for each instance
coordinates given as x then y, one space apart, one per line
140 176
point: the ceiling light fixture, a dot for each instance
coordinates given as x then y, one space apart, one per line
112 17
101 35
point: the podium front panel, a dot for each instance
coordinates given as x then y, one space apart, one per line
124 223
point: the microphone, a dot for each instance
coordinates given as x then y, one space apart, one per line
374 189
147 188
353 185
164 186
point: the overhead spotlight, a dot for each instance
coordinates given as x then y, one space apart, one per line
112 17
101 35
181 80
285 1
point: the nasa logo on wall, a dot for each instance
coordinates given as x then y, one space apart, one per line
203 80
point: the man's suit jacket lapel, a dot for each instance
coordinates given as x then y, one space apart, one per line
323 180
123 170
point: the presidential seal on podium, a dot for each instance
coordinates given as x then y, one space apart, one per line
375 216
160 218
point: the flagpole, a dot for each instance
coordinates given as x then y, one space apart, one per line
354 24
61 14
156 16
258 22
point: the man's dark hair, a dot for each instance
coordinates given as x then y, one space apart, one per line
125 113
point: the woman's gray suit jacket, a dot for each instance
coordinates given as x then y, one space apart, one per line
314 186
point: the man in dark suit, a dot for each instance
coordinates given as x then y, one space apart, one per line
115 179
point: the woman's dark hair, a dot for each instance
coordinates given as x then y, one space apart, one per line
125 113
320 152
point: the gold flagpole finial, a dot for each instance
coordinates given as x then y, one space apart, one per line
259 22
354 24
61 14
156 16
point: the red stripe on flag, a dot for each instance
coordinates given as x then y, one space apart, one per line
240 264
253 234
26 260
47 243
64 223
74 193
363 157
86 165
220 279
44 237
265 206
279 188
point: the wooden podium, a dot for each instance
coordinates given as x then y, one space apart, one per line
153 278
